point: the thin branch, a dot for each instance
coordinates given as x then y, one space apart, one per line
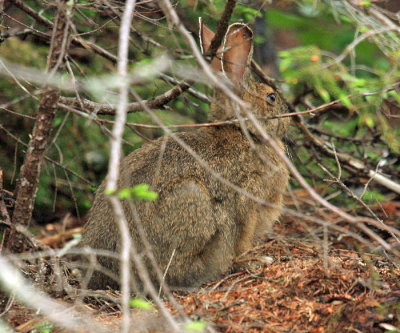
99 108
222 27
173 17
191 91
375 11
33 13
109 109
115 158
350 48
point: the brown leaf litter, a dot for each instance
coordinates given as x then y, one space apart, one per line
357 293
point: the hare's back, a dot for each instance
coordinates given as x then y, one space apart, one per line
165 160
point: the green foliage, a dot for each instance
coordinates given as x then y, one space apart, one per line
140 304
247 13
361 82
330 80
43 327
366 3
138 192
373 196
109 191
347 128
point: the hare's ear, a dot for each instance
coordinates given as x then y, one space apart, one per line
206 36
238 50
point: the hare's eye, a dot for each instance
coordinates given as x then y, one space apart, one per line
271 98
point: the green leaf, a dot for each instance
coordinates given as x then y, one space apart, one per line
43 327
86 203
57 122
138 192
259 39
395 95
141 304
195 326
141 191
125 193
89 12
247 12
368 120
284 54
285 64
366 3
346 19
109 191
324 94
345 101
92 188
373 196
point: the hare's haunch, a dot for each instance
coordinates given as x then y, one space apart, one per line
199 225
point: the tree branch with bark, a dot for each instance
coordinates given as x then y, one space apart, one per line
30 171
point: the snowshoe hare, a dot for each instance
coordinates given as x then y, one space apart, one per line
199 225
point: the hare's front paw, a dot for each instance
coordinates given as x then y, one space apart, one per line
251 264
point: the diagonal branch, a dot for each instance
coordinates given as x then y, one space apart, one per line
221 29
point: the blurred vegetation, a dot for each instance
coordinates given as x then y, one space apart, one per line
308 37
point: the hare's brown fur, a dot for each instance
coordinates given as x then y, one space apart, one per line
197 220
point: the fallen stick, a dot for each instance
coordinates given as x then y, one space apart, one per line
61 237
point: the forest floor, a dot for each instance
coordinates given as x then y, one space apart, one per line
298 285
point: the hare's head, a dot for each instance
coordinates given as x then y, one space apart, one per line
233 60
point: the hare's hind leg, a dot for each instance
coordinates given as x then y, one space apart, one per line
195 236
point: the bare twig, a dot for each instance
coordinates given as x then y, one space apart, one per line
107 109
357 198
191 91
111 185
221 29
140 107
61 237
31 12
350 48
115 157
